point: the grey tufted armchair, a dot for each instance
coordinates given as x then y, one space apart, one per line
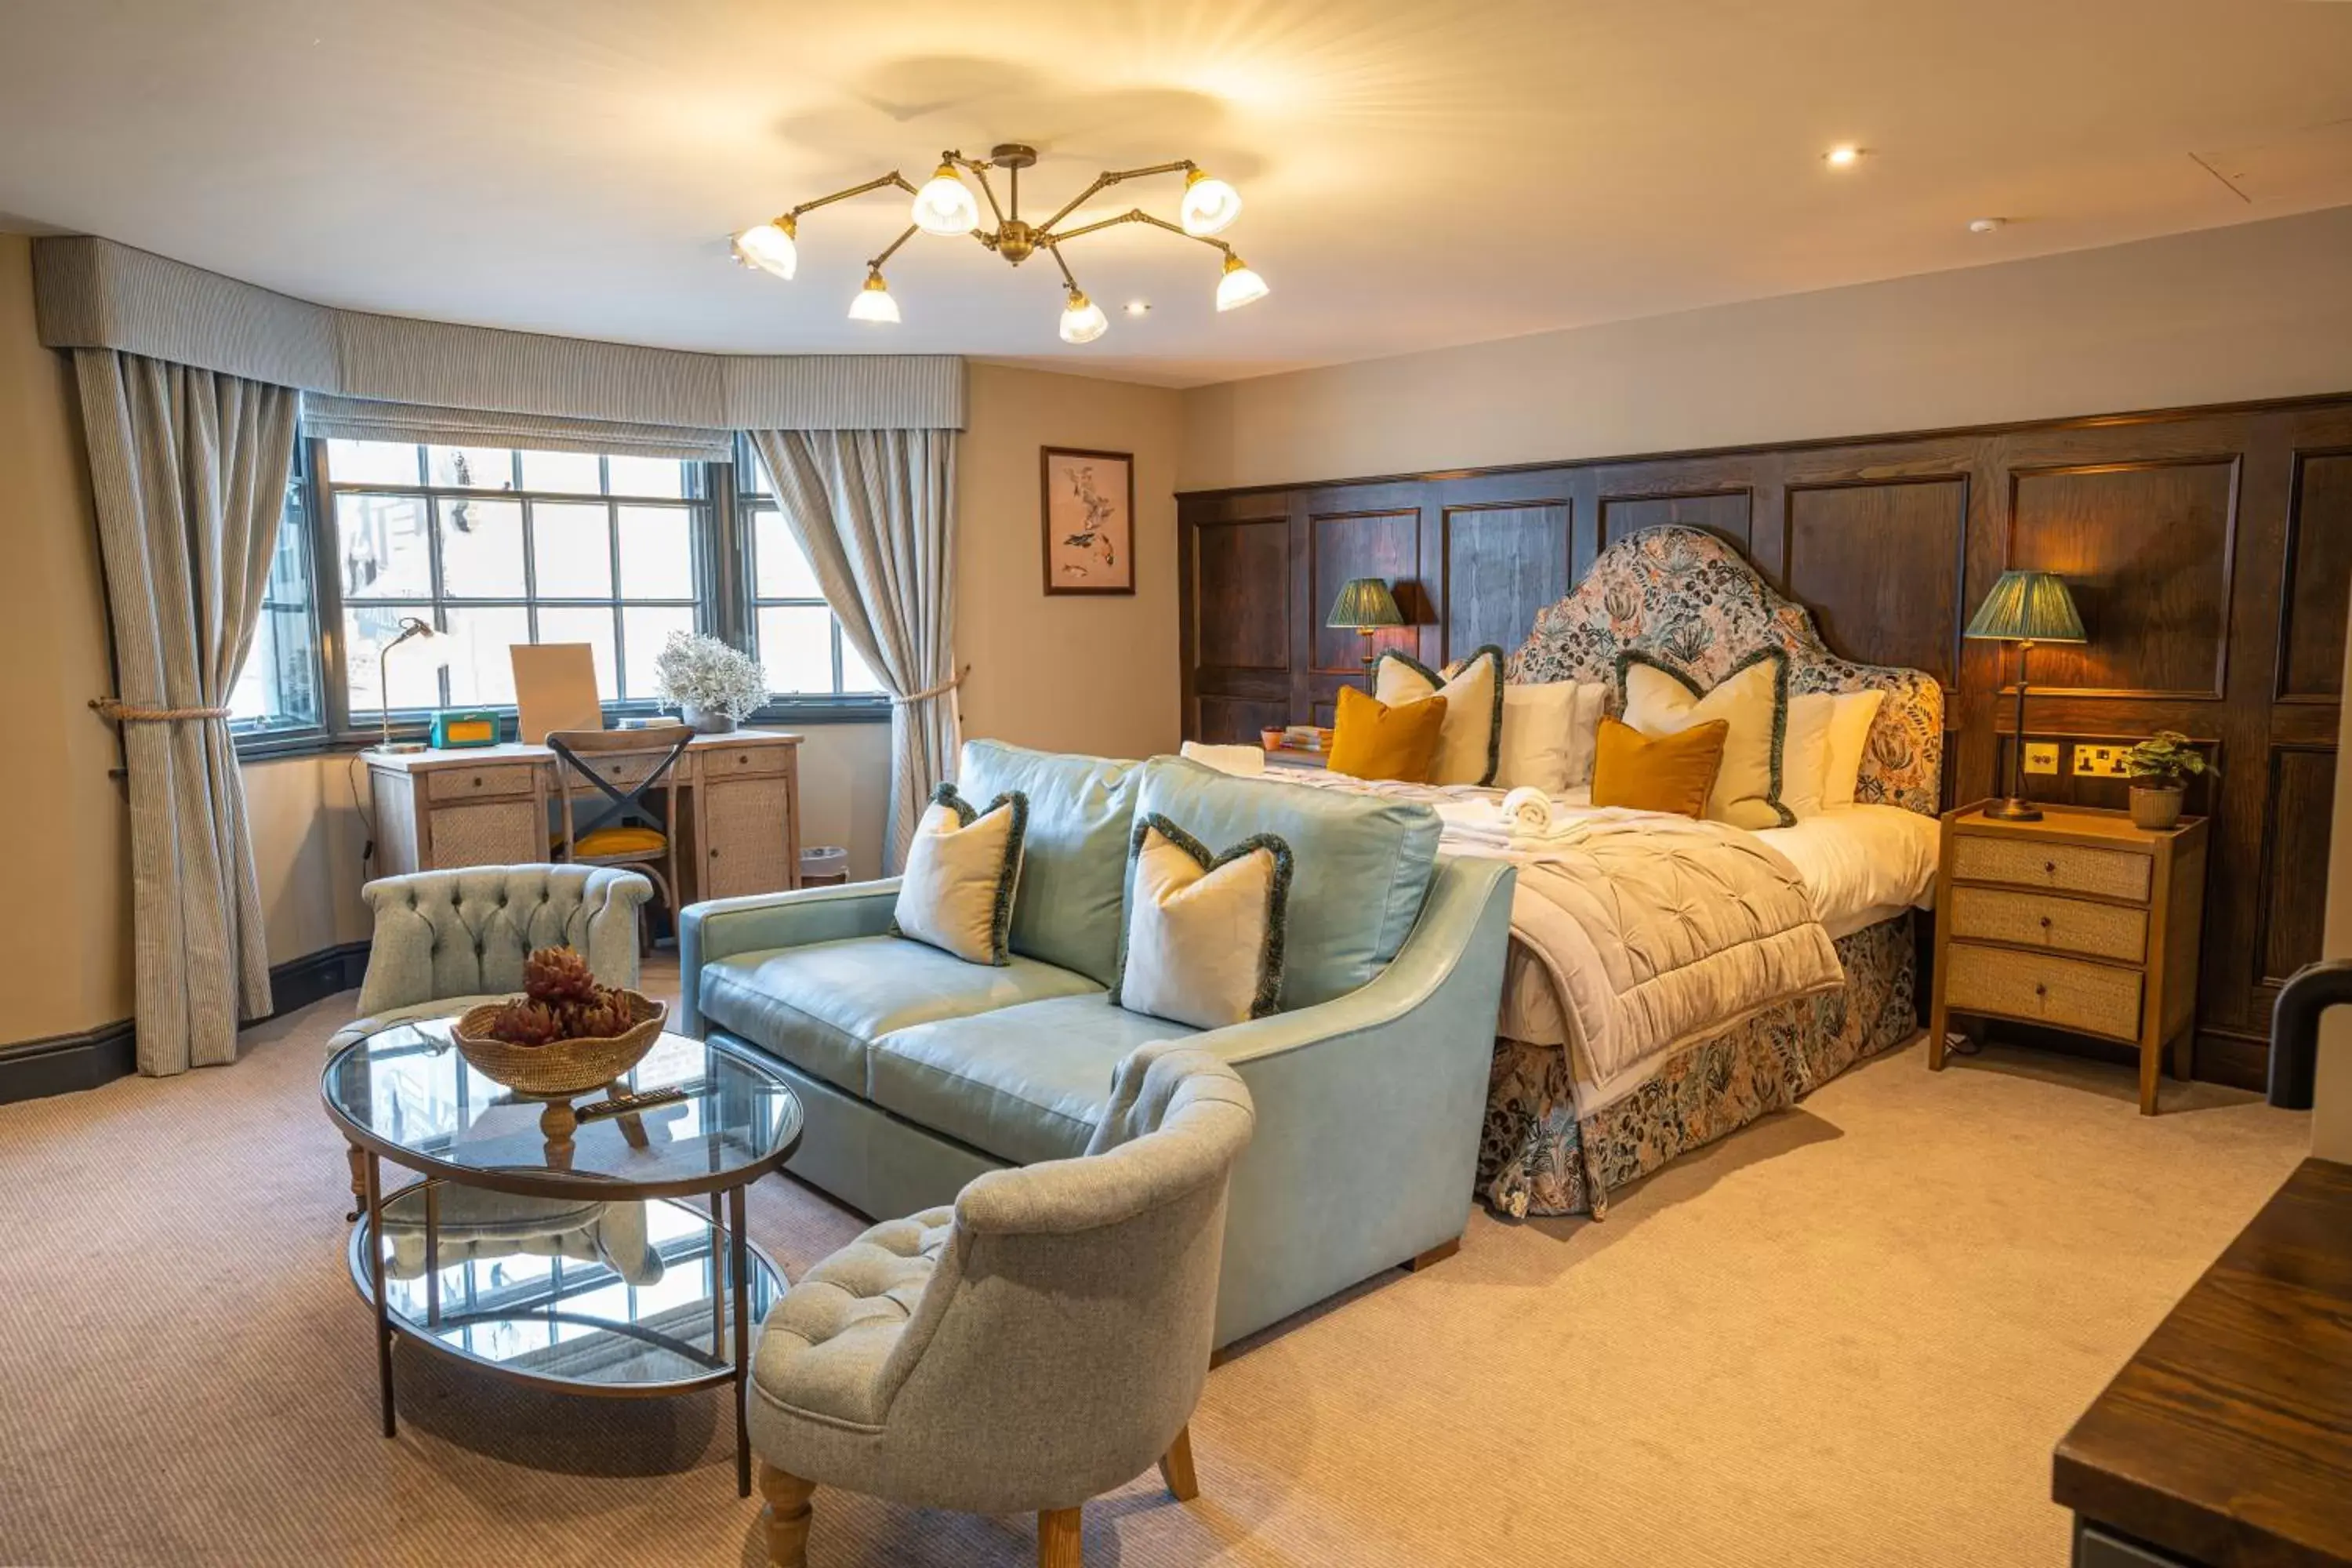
1035 1345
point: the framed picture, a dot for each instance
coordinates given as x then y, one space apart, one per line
1089 505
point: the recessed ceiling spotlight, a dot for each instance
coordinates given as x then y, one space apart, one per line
1844 156
1139 307
1986 225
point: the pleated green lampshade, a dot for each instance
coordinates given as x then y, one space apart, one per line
1363 602
2028 606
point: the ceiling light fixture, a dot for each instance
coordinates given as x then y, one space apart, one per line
1843 157
1139 307
1987 224
944 206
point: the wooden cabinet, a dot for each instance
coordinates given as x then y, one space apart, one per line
2080 922
739 808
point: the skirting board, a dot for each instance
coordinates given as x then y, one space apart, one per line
61 1064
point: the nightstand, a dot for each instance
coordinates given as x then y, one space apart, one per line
2080 922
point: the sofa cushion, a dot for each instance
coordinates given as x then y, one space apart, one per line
1025 1084
1073 859
823 1347
1360 866
820 1005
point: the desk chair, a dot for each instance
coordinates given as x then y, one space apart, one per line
627 831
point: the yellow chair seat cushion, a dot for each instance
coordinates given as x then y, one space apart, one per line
1657 772
1374 740
619 841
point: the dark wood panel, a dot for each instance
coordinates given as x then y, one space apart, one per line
1243 596
2299 807
1502 563
1383 544
2319 577
2145 552
1727 515
1879 565
1232 721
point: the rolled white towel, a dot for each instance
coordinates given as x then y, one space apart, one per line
1529 810
1245 760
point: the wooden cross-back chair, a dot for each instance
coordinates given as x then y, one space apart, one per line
625 830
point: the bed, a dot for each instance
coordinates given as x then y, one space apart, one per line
1669 981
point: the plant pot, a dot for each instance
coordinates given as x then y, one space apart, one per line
704 722
2156 806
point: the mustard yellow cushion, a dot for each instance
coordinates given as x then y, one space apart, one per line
619 841
1662 773
1374 740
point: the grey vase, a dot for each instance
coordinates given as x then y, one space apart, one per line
705 721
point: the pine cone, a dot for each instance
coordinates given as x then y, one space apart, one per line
525 1023
556 975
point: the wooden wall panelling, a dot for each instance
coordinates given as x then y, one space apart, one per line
2210 550
1234 595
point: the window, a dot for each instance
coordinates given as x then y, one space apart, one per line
277 692
793 633
499 546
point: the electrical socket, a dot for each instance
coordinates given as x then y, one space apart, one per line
2099 762
2041 756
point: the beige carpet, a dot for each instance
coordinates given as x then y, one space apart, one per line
1848 1336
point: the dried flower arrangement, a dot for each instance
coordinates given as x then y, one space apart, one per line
560 1001
702 676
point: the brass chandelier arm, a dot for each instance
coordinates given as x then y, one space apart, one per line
1065 266
1112 177
876 264
1135 215
892 178
980 168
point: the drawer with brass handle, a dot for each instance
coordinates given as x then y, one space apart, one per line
731 761
464 783
2067 867
2042 920
2070 993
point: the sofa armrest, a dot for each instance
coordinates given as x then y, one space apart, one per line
722 927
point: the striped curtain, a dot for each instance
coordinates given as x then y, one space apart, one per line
874 512
189 468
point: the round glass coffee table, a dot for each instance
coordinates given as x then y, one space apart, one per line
554 1248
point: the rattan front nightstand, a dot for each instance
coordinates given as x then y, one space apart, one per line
2080 922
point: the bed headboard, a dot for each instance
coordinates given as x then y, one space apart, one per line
1691 598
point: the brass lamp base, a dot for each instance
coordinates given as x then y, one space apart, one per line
400 748
2013 810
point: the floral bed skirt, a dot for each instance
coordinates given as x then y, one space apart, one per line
1535 1157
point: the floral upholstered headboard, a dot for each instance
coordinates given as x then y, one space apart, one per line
1690 598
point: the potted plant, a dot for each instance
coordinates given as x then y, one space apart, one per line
712 686
2160 768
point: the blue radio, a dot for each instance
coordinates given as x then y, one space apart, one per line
455 729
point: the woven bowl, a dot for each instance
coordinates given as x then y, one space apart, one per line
560 1068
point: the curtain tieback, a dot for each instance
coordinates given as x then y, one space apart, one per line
121 712
942 690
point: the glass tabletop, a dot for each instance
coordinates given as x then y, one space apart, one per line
405 1093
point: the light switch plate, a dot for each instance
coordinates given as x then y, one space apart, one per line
2041 756
2099 762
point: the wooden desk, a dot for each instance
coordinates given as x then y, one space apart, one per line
739 808
2228 1438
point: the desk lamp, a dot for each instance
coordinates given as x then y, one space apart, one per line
1364 606
437 647
2024 608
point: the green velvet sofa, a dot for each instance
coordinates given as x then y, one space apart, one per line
918 1071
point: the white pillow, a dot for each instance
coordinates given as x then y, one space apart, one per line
1203 942
1805 753
1584 733
1243 761
1468 737
1548 733
1850 723
962 866
1660 700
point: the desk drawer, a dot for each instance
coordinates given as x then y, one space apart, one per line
2066 992
2039 920
2066 867
742 761
467 783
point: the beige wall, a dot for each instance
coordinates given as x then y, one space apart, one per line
65 931
1071 673
2262 310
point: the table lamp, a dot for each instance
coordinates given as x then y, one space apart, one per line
436 648
1364 606
2024 608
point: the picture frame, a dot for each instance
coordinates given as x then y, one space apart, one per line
1086 512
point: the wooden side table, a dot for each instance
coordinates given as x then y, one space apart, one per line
2080 922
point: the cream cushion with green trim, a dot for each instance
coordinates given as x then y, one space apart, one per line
1468 742
1753 699
1205 932
963 867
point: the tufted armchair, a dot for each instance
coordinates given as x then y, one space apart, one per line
1037 1344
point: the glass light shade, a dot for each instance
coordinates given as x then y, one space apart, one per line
768 247
2028 606
1239 286
874 302
1083 321
1209 204
945 205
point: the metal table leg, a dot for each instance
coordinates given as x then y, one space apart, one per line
375 1284
739 1268
433 1253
